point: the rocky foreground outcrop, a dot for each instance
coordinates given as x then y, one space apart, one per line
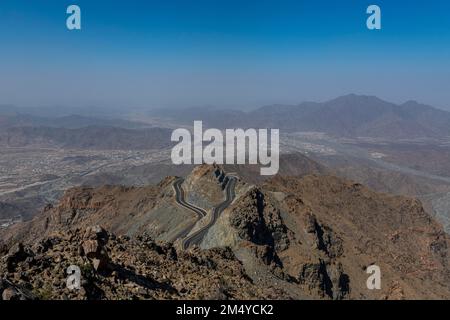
120 268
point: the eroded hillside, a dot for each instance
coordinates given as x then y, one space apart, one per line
308 237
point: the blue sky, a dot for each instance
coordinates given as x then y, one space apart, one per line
222 52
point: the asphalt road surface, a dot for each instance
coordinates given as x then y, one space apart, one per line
197 237
180 199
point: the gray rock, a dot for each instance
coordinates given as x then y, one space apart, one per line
11 293
94 247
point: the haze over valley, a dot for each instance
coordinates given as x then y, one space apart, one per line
358 156
392 148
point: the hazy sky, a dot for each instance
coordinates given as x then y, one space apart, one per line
238 53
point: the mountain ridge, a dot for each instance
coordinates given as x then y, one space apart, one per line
346 116
313 235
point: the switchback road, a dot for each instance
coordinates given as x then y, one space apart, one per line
180 199
197 237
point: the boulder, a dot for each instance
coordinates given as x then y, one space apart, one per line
11 293
16 254
96 233
94 247
91 248
17 250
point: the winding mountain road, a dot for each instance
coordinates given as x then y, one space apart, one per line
197 236
180 199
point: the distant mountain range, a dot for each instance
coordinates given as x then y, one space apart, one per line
346 116
78 132
350 116
63 111
93 137
13 119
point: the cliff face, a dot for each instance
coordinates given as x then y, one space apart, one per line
309 237
319 235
